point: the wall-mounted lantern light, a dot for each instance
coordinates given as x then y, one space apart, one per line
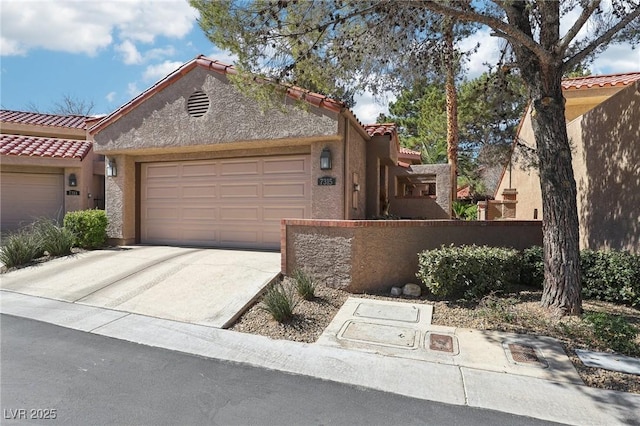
112 170
73 181
325 159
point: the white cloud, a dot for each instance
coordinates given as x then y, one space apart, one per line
616 59
158 71
368 108
130 54
488 52
159 53
111 96
132 90
11 48
88 26
223 56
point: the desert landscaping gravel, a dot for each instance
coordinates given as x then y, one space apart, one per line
516 313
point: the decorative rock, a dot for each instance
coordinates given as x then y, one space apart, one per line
412 290
396 291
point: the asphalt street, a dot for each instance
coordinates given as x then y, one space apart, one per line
53 375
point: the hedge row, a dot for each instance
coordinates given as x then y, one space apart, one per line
473 272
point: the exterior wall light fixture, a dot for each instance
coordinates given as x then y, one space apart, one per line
325 159
112 169
73 181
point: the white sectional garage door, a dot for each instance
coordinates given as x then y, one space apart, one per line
26 196
223 203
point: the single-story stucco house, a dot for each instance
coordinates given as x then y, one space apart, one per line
47 168
194 161
603 124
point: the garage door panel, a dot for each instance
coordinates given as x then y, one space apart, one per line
239 213
285 190
199 170
235 168
278 213
162 192
240 236
162 213
202 190
163 171
285 166
197 235
233 190
200 213
227 202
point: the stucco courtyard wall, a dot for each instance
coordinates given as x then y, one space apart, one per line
371 256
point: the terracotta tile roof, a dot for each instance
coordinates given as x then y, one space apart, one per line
293 92
407 151
32 146
380 129
464 193
21 117
600 81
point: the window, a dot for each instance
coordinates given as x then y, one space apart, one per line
413 186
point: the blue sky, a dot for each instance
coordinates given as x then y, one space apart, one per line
108 51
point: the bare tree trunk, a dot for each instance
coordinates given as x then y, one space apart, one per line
562 285
452 107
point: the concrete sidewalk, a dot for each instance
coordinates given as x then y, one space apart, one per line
462 384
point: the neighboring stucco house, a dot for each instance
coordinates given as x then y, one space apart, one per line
47 167
603 124
196 162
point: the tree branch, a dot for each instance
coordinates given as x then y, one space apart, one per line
573 31
500 27
604 38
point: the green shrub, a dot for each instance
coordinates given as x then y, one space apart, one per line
465 211
20 248
614 331
532 267
304 284
53 239
612 276
468 271
89 227
279 300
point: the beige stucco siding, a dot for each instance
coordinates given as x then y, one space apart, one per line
356 189
162 120
606 163
608 172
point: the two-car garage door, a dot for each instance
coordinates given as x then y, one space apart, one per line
223 203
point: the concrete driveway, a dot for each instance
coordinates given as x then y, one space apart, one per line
195 285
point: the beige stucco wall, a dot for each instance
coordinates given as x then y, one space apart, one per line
356 188
381 152
372 256
606 159
162 120
421 207
607 169
579 101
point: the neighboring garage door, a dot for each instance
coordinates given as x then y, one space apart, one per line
223 203
26 196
